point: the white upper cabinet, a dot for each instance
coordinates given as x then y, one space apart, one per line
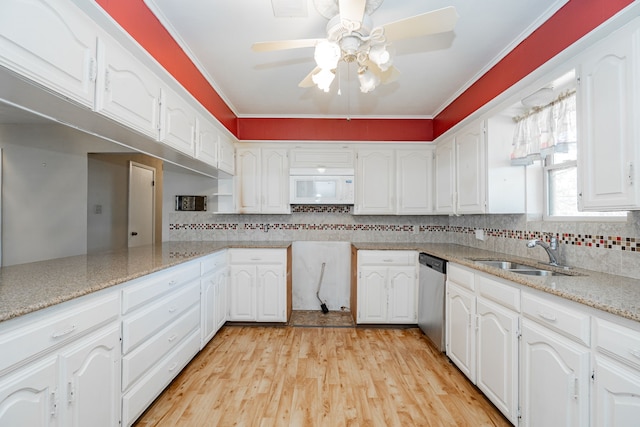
226 155
414 181
445 174
470 169
609 97
375 182
206 141
51 43
128 92
263 180
343 158
473 171
177 123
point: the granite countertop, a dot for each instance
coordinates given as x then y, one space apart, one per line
25 288
29 287
607 292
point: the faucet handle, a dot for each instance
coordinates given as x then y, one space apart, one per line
553 244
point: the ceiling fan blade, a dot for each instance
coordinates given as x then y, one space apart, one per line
307 81
352 13
284 44
436 21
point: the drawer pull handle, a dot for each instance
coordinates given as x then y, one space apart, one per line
172 309
172 282
173 366
635 352
256 259
387 260
547 316
172 337
64 332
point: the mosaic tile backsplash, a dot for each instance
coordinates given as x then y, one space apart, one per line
609 247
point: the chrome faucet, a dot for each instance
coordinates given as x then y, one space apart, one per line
551 249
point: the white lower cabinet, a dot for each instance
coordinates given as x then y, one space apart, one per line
616 375
554 382
460 329
64 367
160 333
387 287
213 295
257 285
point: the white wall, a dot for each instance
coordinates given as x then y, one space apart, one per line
44 191
307 259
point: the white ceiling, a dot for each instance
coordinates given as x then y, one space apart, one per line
218 36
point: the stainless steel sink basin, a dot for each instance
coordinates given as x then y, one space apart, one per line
518 268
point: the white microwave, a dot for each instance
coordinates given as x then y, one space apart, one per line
311 187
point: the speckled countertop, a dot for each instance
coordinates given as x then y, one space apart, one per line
614 294
29 287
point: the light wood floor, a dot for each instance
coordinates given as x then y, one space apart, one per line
296 376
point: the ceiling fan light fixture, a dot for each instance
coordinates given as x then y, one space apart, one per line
323 79
380 56
368 80
327 55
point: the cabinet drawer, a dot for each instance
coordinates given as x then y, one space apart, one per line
142 290
559 317
461 276
147 355
257 256
618 341
37 332
496 291
144 323
213 262
136 400
404 258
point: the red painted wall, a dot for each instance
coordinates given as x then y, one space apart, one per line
568 25
336 129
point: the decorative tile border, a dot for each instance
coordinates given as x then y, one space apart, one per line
631 244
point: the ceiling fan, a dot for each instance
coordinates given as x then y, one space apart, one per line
352 38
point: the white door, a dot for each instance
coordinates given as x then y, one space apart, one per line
141 204
275 181
375 183
271 289
372 295
445 173
497 356
470 175
616 394
415 181
92 377
554 379
249 188
242 293
460 320
402 295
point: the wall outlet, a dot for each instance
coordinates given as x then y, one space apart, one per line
480 234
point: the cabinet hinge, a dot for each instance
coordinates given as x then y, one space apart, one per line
70 392
593 376
519 413
578 80
54 402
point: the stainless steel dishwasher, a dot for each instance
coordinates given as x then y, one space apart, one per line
432 276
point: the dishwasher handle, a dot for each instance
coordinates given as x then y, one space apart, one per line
435 263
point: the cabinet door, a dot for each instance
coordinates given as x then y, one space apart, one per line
497 356
29 397
178 122
608 143
402 295
249 186
91 376
445 177
554 379
415 181
226 155
208 302
275 181
616 392
271 289
52 43
460 320
221 301
242 293
470 170
207 142
127 91
375 182
372 295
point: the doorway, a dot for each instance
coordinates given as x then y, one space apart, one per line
141 220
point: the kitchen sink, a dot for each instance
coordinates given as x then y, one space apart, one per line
518 268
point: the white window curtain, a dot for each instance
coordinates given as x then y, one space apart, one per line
545 130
